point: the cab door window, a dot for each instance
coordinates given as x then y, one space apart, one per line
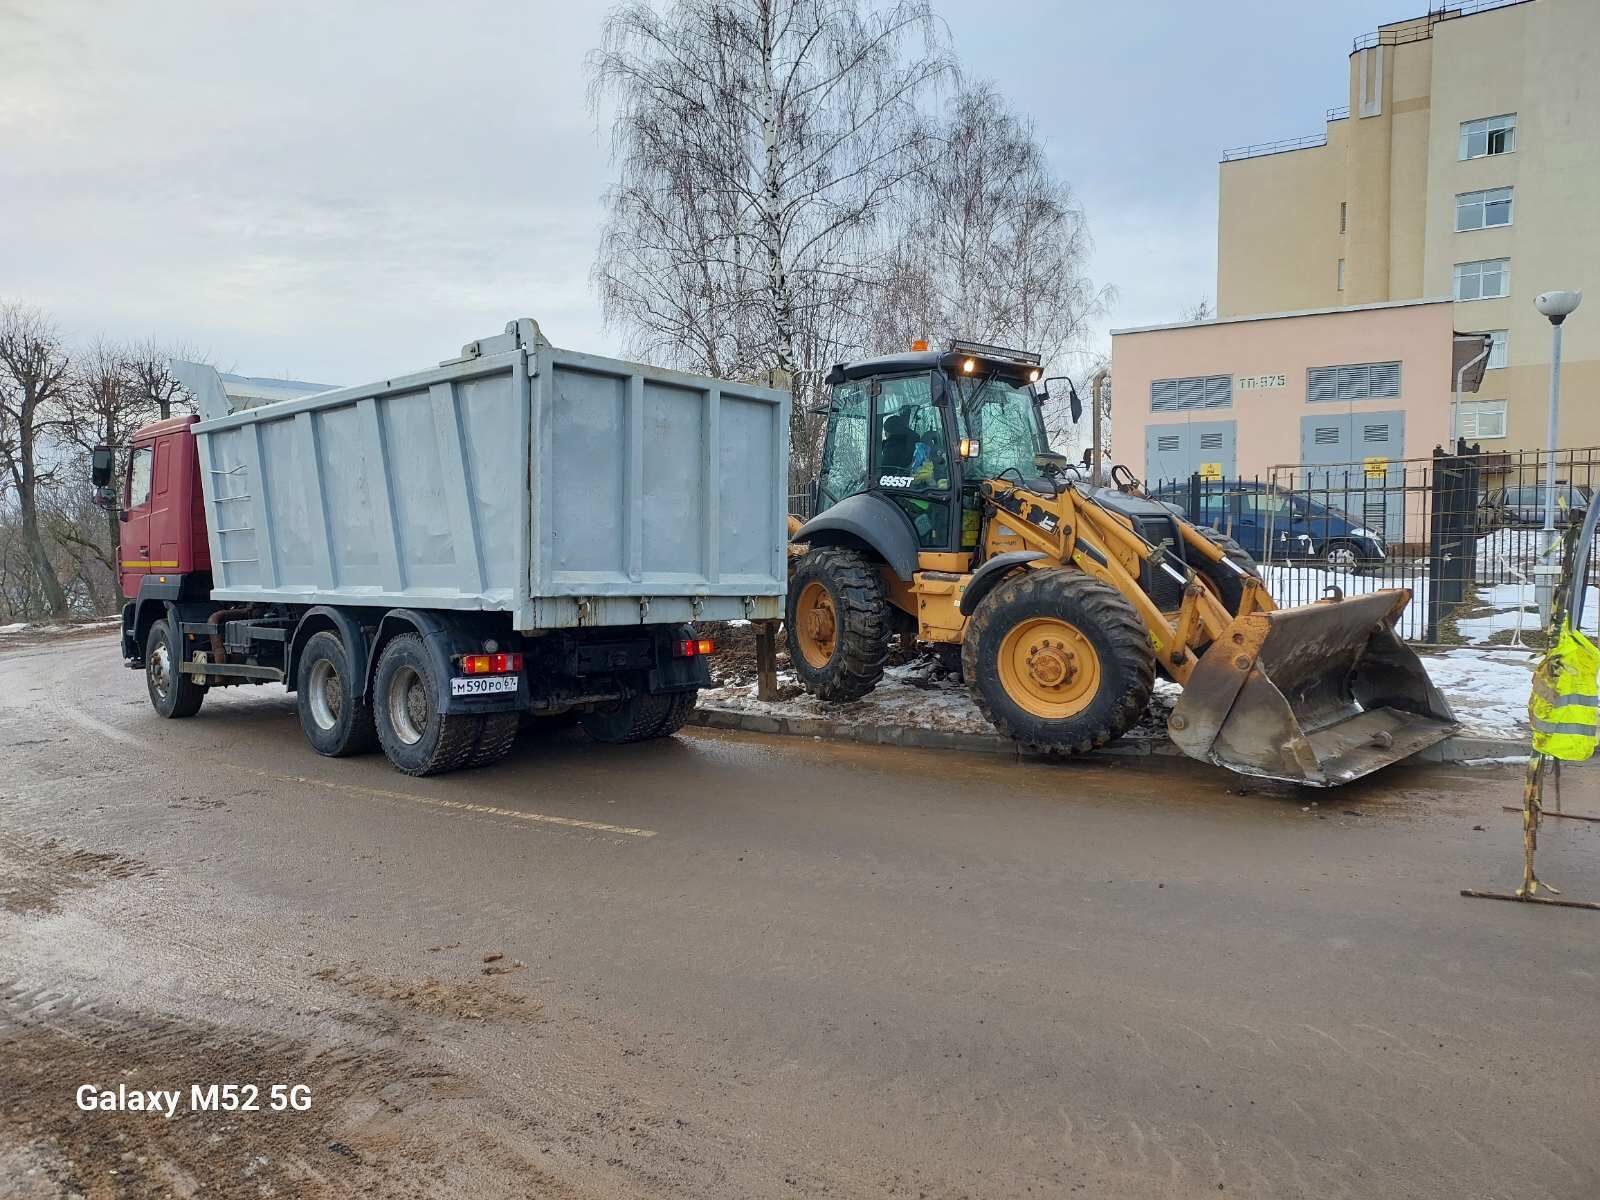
139 477
844 458
913 451
911 456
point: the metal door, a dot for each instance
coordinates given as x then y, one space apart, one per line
1172 453
1361 474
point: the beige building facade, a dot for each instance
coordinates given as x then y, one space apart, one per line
1348 390
1466 163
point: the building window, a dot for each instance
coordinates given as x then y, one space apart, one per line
1197 391
1483 280
1353 381
1488 135
1483 419
1341 274
1497 348
1344 215
1483 210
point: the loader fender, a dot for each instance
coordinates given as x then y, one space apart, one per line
870 521
985 578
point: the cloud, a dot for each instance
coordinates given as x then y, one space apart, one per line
340 191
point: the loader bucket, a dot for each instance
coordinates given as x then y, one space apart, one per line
1320 694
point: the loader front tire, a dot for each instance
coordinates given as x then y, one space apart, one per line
1223 582
1059 661
837 623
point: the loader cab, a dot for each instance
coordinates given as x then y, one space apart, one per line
924 428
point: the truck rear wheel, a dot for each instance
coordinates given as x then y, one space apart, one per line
495 738
837 623
639 718
172 693
417 738
334 722
1059 661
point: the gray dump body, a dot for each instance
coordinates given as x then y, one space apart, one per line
564 488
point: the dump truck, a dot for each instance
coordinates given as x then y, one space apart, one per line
430 560
941 513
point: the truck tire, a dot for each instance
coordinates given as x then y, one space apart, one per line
1059 661
1227 585
335 723
495 739
837 623
417 738
639 718
172 693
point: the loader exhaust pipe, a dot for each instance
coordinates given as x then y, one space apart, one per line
1318 695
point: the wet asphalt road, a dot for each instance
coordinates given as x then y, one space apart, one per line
737 966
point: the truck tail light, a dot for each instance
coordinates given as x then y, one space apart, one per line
691 647
490 664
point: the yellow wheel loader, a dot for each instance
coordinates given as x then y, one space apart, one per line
941 512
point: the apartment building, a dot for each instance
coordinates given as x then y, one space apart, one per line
1464 163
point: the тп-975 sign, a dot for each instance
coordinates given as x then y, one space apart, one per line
1262 381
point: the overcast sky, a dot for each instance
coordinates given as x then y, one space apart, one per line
339 191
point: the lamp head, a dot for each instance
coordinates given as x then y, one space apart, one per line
1557 305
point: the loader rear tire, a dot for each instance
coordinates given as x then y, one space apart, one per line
417 738
1059 661
837 623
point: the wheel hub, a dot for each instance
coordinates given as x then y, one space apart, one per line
816 625
1049 668
1051 664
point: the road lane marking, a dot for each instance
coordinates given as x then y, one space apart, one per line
84 721
456 805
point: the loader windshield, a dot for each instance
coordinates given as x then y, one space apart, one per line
1004 420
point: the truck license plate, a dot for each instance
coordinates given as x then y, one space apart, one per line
482 685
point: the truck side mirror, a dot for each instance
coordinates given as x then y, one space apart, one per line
100 466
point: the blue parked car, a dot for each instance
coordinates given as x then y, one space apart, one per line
1301 528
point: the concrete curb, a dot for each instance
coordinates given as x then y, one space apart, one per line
1461 748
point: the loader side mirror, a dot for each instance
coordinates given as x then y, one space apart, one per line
100 466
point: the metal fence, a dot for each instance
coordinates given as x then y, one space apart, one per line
1462 531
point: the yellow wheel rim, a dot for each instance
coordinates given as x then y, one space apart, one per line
1048 668
816 625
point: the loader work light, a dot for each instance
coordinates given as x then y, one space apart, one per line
968 366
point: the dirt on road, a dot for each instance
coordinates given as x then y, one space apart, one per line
724 966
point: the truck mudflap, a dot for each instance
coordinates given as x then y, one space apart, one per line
1319 695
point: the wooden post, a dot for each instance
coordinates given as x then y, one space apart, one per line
766 660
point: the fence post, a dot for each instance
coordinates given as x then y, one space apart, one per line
1195 508
1438 537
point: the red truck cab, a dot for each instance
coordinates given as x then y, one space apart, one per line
164 554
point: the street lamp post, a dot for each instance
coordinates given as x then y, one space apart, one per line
1557 306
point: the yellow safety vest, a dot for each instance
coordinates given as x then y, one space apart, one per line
1565 700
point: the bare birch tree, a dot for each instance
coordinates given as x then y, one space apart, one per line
34 376
761 146
997 245
148 366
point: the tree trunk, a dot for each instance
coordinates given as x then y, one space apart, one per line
55 597
779 296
